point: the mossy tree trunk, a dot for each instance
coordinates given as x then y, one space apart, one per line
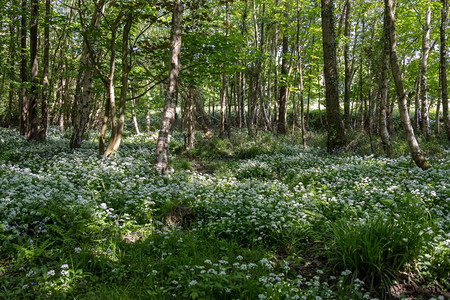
336 134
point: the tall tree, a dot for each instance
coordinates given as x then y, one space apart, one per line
223 92
45 82
116 136
33 130
282 110
425 120
348 76
414 148
384 91
170 103
443 67
23 71
83 91
336 135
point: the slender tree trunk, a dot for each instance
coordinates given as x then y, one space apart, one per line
282 108
425 120
104 128
11 114
347 65
164 136
147 117
384 92
336 135
114 143
223 92
443 67
437 127
45 82
135 120
414 148
23 126
33 130
189 116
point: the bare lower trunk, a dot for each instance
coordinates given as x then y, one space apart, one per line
443 67
101 140
23 124
116 136
336 135
425 120
135 120
33 130
384 91
82 103
162 146
45 81
414 148
347 66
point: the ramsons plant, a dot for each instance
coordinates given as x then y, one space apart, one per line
280 223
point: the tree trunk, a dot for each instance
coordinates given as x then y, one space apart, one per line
133 114
116 136
437 127
414 148
12 116
170 103
282 107
336 135
23 124
347 65
101 139
45 82
82 103
223 92
443 67
384 92
33 130
425 120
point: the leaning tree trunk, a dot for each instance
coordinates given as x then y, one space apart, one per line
414 148
170 103
425 120
443 68
33 130
336 134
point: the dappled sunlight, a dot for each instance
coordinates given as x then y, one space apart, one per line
269 223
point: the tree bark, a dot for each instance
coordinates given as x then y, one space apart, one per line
33 130
348 76
425 120
116 136
443 67
336 135
82 103
282 107
23 124
45 81
162 146
223 92
384 92
414 148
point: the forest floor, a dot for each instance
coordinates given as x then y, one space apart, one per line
235 219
